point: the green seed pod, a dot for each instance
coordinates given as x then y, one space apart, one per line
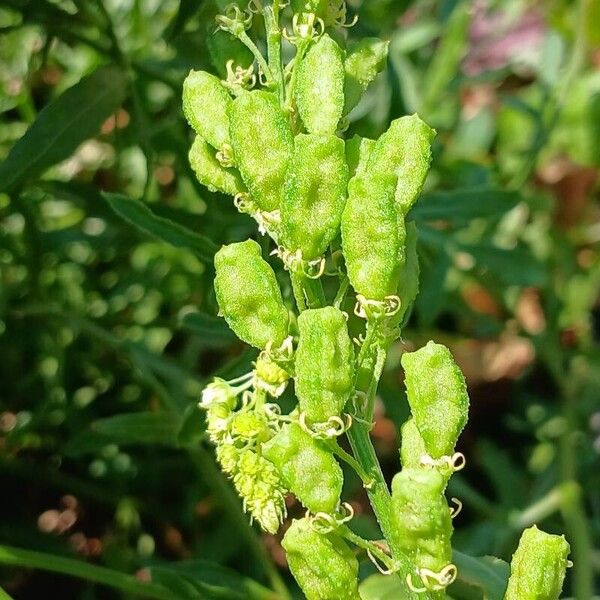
538 566
210 172
205 105
371 238
314 194
358 150
437 394
308 469
324 363
320 87
413 446
262 143
223 47
365 60
422 517
404 150
322 564
249 296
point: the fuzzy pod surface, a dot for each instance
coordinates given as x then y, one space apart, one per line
538 566
320 87
322 564
248 295
437 394
205 105
210 172
324 363
307 468
372 236
262 144
314 194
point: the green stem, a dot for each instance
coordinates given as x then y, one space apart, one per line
308 292
298 290
271 15
375 550
352 462
77 568
4 595
300 51
260 59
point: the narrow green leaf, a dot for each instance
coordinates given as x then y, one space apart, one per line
214 331
63 125
160 429
138 214
486 572
17 557
459 207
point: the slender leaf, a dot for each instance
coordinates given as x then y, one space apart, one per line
214 331
459 207
488 573
63 125
160 428
77 568
138 214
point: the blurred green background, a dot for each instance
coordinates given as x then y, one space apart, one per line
108 326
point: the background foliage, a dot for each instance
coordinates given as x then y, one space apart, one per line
107 314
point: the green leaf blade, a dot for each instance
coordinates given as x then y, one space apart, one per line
63 125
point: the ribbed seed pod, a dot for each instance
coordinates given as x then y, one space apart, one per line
249 296
364 61
408 276
372 236
358 150
412 447
538 566
322 564
324 364
404 151
320 87
205 105
262 143
210 172
437 394
314 194
307 468
422 517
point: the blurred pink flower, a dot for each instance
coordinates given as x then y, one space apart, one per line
497 41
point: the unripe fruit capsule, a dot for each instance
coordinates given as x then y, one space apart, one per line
324 364
314 194
249 296
205 105
307 468
210 172
437 394
322 564
262 144
320 87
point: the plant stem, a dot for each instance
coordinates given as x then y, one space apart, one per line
78 568
271 15
366 478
